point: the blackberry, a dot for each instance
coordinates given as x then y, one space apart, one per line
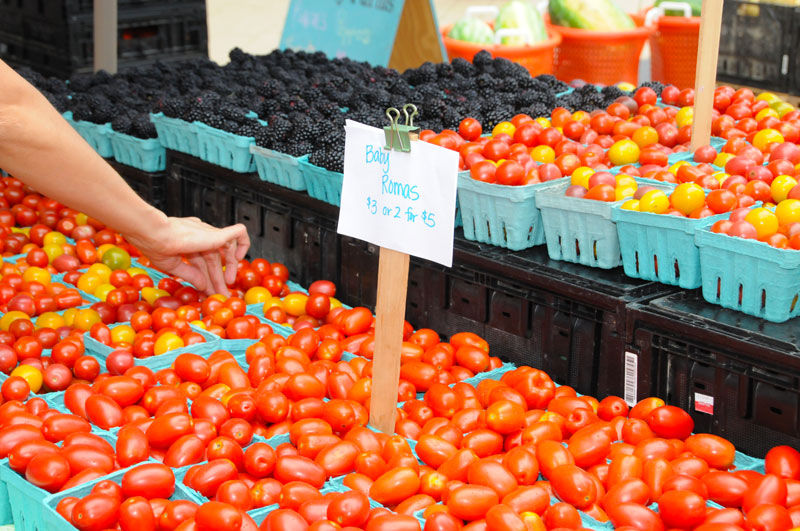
262 136
143 127
122 124
173 107
232 113
59 101
281 127
496 114
230 126
482 59
250 129
538 110
298 149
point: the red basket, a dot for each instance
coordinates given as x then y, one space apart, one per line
673 49
537 58
605 57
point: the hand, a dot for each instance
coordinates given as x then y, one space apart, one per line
204 247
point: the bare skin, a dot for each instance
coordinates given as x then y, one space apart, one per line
40 148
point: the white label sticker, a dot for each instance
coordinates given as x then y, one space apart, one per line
704 403
631 377
402 201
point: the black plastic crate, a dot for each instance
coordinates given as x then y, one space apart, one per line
150 186
756 45
191 192
64 46
60 10
738 376
795 88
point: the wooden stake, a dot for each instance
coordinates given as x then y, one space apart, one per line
707 53
390 310
105 35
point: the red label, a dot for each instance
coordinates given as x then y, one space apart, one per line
704 403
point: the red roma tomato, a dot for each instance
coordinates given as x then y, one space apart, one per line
681 509
296 468
394 486
769 517
349 509
434 451
783 461
95 512
168 428
210 476
259 460
725 488
471 502
217 516
612 406
670 422
771 489
634 515
48 471
631 490
503 517
284 520
522 464
574 486
150 480
562 515
492 474
21 454
104 412
551 455
226 448
237 493
125 390
56 427
132 446
590 446
338 459
136 514
532 498
504 417
11 436
188 450
714 450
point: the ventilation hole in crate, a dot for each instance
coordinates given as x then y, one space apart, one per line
559 243
677 270
699 385
776 410
794 303
488 229
655 264
276 228
741 292
719 287
594 249
763 299
637 261
465 300
506 315
577 248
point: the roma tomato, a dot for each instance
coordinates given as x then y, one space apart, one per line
150 480
95 512
670 422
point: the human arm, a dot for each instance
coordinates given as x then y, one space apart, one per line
41 149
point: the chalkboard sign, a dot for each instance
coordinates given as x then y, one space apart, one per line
401 34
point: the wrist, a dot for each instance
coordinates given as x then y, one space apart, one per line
150 230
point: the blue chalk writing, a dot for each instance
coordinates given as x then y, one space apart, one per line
406 191
378 155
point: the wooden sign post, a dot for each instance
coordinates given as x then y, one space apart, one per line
707 53
400 34
400 194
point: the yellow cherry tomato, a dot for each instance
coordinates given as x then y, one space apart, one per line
627 87
624 152
766 136
36 274
102 250
295 304
151 295
685 116
30 374
624 179
543 154
645 136
782 108
654 201
167 342
133 271
765 221
630 204
53 252
54 238
720 176
198 324
780 187
256 295
674 168
624 192
769 97
532 521
504 127
544 122
81 218
335 303
89 282
10 317
103 290
722 159
69 316
273 301
581 176
123 334
687 197
580 116
101 270
763 113
85 319
50 320
788 211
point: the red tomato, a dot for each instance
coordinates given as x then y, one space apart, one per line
670 422
95 512
681 509
217 516
48 471
136 514
783 461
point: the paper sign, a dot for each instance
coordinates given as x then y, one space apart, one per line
363 30
402 201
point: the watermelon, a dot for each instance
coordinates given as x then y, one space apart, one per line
598 15
519 14
472 29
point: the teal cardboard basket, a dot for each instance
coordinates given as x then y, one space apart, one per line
322 184
98 136
659 247
279 168
749 276
144 154
176 134
225 149
505 216
581 230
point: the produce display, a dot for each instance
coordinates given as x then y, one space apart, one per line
516 15
598 15
252 414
